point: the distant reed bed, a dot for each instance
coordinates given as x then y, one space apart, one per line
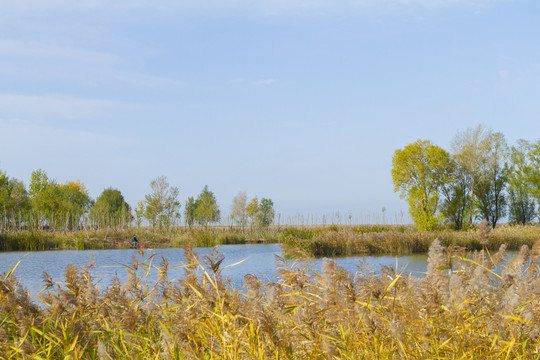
330 240
352 242
477 305
113 238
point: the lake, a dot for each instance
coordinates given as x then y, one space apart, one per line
254 259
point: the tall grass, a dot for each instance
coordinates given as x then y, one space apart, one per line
333 240
352 242
469 306
112 238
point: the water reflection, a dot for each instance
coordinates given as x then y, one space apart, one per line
253 259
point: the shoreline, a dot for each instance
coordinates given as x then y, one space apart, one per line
314 240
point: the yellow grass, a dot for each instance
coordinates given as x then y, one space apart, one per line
469 306
333 240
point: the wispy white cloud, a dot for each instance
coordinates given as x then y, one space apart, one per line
260 82
266 81
145 79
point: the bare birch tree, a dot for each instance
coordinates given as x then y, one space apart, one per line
239 210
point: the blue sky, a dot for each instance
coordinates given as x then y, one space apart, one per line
300 101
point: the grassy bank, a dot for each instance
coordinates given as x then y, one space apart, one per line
114 238
317 241
485 308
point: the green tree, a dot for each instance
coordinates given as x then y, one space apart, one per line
162 207
253 212
238 209
110 209
455 205
490 186
533 177
139 213
207 210
45 199
521 208
75 202
470 151
5 191
38 183
19 202
266 212
14 201
189 211
419 171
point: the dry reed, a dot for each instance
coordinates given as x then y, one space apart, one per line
349 241
469 306
334 240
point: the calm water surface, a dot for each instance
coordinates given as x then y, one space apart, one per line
256 259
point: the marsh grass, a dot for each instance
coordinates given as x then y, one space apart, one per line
470 305
352 242
319 241
112 238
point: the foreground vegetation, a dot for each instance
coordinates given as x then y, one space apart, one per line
468 306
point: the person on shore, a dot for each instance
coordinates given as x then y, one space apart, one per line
134 241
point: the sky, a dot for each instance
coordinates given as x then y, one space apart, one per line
300 101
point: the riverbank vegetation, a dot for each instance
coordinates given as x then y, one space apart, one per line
352 241
469 306
118 238
318 241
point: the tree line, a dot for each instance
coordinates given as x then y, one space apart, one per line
47 204
480 178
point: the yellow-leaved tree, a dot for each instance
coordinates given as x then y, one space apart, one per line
419 171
